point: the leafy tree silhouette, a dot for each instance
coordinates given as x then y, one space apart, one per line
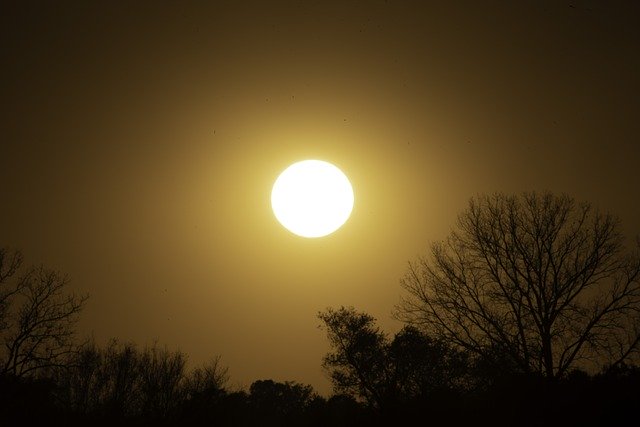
387 373
280 402
356 364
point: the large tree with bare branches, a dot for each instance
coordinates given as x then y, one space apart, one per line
536 280
37 316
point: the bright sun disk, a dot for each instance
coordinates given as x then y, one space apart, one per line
312 198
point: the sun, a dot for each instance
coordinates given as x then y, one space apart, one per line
312 198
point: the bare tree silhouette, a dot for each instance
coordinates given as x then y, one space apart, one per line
120 381
538 279
10 262
37 317
82 382
207 381
162 374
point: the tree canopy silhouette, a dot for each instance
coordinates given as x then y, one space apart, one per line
366 364
535 281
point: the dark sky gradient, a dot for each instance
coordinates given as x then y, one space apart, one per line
139 142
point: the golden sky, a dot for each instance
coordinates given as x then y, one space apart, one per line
139 142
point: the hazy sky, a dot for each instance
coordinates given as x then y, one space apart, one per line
139 142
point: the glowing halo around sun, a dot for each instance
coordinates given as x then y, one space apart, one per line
312 198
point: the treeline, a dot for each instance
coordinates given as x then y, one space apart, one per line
406 378
528 314
121 384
